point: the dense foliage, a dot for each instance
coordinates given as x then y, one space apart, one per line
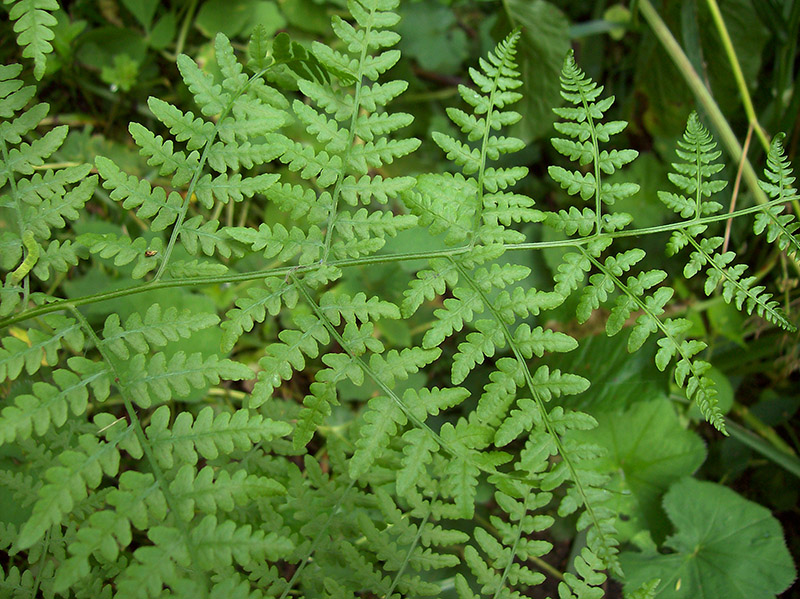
363 317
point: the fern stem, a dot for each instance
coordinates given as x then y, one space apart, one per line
735 193
542 411
727 44
38 580
282 271
598 199
513 548
144 443
187 22
484 144
537 561
368 370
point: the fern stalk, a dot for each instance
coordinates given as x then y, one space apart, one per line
506 62
241 277
301 287
747 102
409 553
695 83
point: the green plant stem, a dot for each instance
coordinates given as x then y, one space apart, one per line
767 432
409 553
786 461
351 136
37 582
350 262
187 22
143 440
704 96
719 22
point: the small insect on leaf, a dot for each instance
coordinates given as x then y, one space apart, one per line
150 253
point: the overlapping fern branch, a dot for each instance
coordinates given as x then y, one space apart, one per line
486 297
640 292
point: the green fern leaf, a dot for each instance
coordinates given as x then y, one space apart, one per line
382 418
49 405
39 347
779 183
283 358
209 491
124 250
698 151
585 130
254 308
79 471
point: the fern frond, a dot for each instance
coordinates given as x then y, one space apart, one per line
35 348
780 228
156 329
698 151
499 566
48 405
209 491
254 308
338 164
159 380
697 146
585 130
240 113
80 470
285 357
36 203
124 250
484 208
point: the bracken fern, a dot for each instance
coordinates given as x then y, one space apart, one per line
133 488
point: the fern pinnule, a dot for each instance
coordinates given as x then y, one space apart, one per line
34 24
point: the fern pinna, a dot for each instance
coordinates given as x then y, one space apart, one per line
142 467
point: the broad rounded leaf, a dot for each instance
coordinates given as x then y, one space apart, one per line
724 546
